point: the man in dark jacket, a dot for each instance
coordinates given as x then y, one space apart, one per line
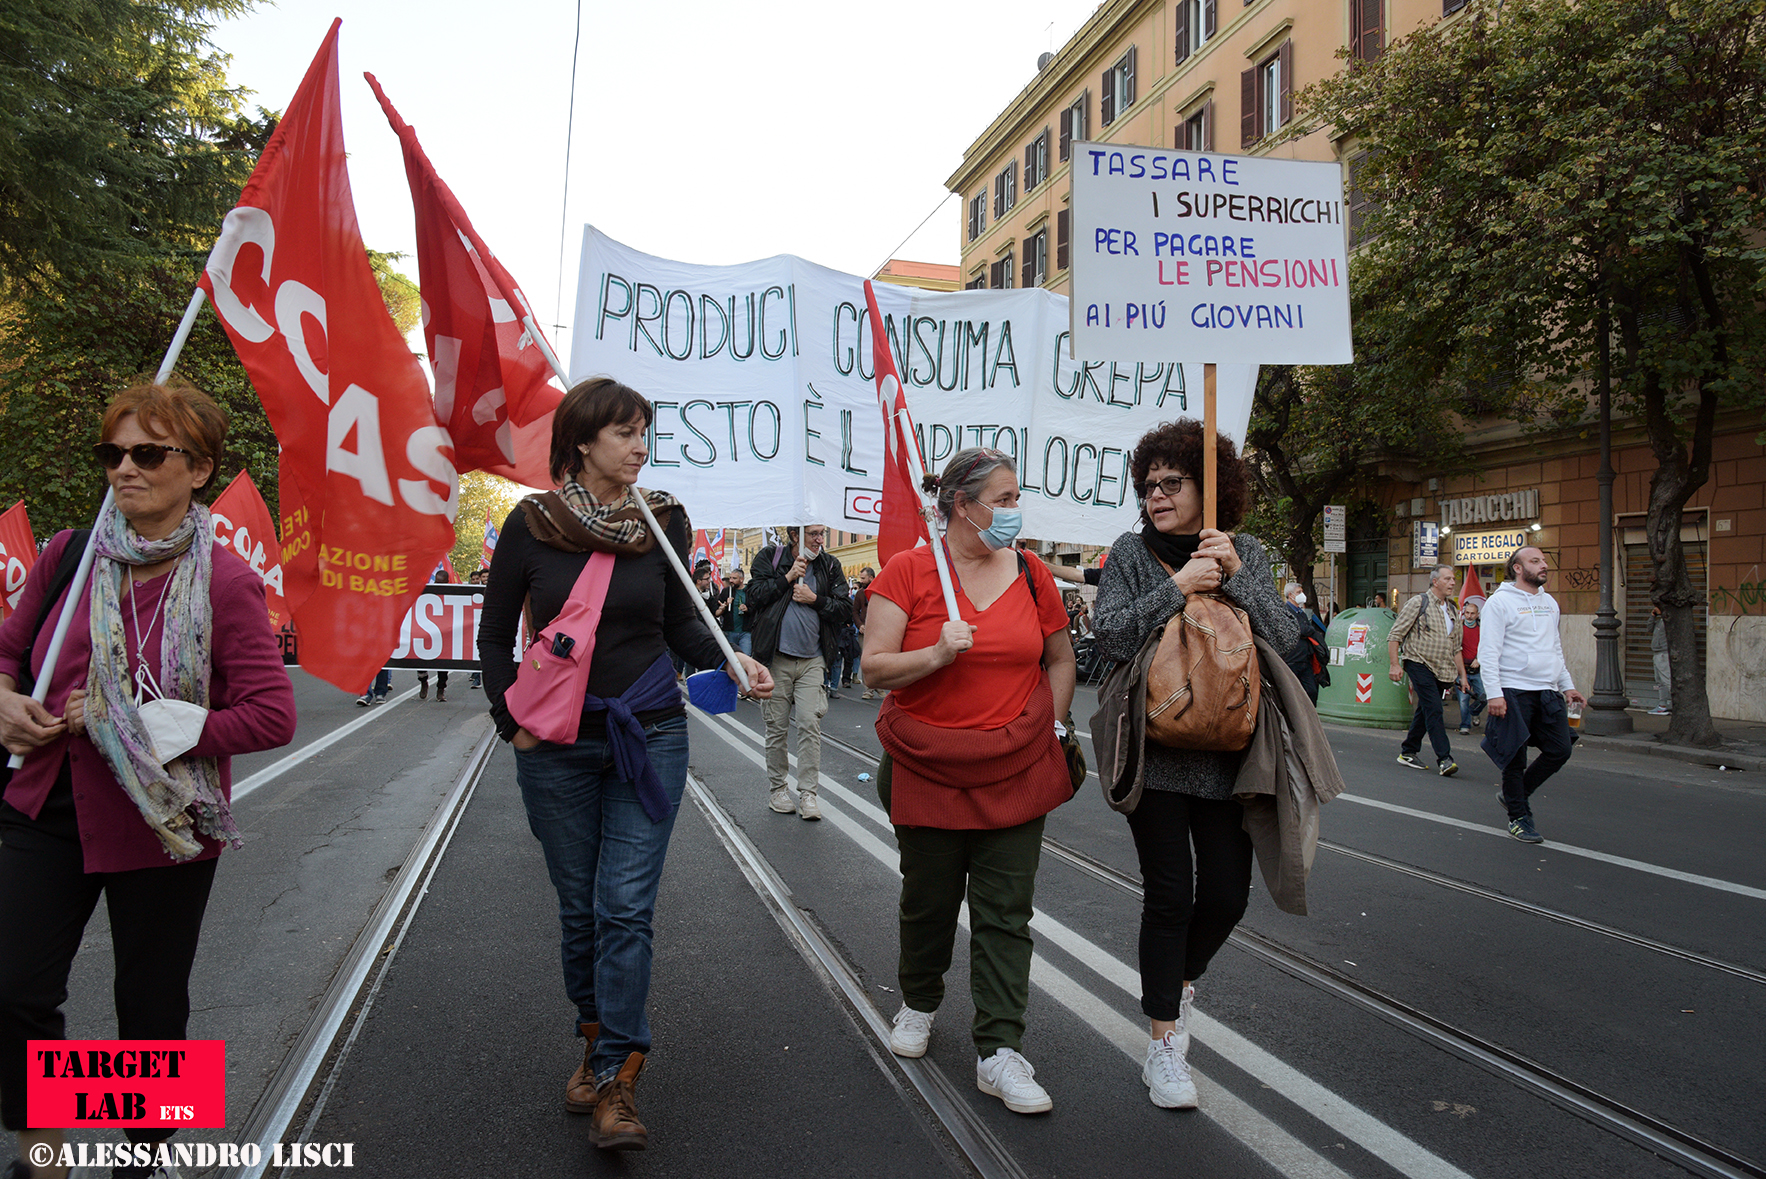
800 603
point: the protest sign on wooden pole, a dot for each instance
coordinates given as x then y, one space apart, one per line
1205 257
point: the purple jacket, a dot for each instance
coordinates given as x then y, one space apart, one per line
250 699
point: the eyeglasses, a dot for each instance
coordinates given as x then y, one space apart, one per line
1170 485
146 455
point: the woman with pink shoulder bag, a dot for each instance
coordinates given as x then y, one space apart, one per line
602 805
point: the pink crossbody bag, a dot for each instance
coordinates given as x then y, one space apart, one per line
547 696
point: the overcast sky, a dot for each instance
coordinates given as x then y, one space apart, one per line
705 132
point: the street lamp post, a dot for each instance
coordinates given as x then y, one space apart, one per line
1606 706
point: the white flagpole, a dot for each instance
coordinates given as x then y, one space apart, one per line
668 550
52 655
904 424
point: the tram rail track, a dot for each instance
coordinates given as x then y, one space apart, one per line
305 1078
939 1098
1679 1146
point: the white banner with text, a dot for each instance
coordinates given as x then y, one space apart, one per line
766 397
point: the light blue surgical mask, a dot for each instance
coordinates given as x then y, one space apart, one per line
1003 530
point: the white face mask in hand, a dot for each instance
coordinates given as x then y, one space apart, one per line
173 726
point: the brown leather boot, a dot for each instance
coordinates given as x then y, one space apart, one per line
616 1125
579 1095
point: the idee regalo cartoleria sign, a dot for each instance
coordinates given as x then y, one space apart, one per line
1221 259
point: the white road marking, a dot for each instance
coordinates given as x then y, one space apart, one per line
1744 890
1270 1141
281 766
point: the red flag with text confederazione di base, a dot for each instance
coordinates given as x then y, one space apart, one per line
900 526
243 524
493 383
18 552
372 471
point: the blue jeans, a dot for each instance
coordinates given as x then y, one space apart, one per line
1471 704
604 856
743 642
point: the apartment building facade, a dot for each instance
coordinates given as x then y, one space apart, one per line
1220 76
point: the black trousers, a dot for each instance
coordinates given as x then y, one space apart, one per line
1427 717
1192 902
46 898
1548 720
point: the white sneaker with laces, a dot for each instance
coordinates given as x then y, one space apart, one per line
913 1031
1167 1074
780 800
807 806
1008 1076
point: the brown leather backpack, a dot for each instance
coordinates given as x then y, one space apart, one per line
1202 686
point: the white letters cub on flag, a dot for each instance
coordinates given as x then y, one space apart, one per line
360 444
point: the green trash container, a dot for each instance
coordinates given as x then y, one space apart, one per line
1362 692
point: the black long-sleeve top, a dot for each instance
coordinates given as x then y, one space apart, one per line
648 611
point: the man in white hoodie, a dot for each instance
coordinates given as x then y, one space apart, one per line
1522 656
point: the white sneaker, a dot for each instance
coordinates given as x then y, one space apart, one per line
913 1030
1007 1076
1167 1074
807 807
780 801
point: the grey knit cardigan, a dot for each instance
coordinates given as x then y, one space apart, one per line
1136 595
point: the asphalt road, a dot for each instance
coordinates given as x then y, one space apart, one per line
1626 956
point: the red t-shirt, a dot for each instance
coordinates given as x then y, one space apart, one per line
989 684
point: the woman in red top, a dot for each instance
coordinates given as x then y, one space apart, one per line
973 763
106 804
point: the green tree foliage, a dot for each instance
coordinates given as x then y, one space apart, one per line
480 493
117 132
1559 181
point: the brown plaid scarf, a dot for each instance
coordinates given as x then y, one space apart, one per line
574 521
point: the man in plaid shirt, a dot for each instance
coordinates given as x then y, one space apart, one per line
1427 634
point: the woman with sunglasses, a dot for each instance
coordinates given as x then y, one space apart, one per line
973 762
1195 856
123 794
603 808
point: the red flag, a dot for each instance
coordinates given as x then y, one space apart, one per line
709 546
491 533
493 383
1472 587
372 473
242 523
18 552
447 563
901 526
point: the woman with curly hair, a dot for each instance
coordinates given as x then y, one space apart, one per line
1188 830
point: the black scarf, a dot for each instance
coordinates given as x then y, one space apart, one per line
1173 548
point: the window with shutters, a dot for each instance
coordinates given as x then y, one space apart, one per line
1036 161
977 215
1196 133
1061 222
1449 7
1075 122
1005 190
1118 89
1367 29
1266 95
1036 259
1196 22
1001 274
978 283
1357 200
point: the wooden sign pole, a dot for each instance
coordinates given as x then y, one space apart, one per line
1210 460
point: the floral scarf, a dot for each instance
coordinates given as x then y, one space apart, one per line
184 796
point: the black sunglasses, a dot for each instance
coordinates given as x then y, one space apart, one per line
1170 485
145 455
